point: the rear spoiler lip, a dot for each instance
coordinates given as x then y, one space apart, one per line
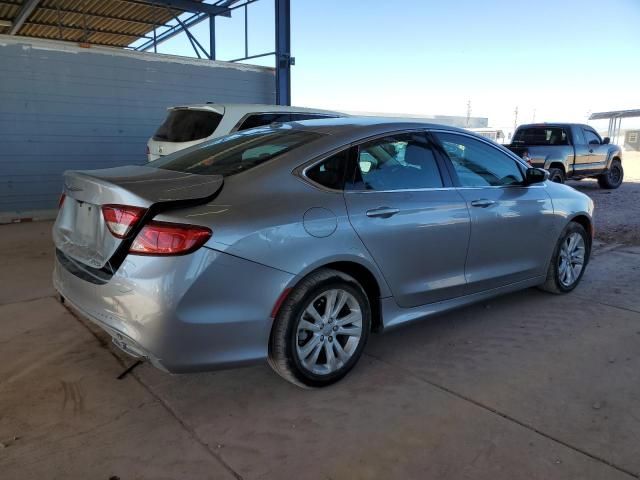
202 108
101 276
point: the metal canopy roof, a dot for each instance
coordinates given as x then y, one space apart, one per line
615 114
115 23
143 24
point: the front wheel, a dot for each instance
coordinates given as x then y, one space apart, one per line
321 329
569 260
613 177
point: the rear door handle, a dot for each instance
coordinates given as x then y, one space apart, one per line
382 212
483 203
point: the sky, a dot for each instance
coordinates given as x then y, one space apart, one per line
555 60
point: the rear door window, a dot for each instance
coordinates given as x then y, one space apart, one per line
186 125
400 162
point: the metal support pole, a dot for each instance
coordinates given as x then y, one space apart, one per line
194 41
212 37
246 31
155 40
283 52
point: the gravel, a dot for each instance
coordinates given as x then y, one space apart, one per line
617 212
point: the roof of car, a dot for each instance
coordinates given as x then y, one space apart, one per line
332 126
553 124
244 108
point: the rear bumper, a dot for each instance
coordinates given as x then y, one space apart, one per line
196 312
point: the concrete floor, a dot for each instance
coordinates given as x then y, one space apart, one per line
527 386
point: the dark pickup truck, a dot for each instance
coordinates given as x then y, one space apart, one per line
569 150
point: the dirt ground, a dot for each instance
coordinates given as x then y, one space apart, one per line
526 386
617 213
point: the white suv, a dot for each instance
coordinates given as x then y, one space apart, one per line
192 124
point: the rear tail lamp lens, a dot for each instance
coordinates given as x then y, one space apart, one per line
120 219
61 201
161 238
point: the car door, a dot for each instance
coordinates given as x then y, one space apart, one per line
512 225
581 149
597 150
414 224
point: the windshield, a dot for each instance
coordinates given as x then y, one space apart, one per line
541 136
235 153
186 125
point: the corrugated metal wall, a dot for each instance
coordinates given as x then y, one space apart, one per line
65 107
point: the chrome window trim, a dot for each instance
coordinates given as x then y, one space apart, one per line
300 171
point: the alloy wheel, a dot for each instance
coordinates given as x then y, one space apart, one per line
328 331
615 175
571 259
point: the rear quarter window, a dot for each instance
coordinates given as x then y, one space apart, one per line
186 125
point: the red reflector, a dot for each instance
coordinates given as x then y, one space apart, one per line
161 238
61 201
120 219
276 307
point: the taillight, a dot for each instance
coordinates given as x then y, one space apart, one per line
61 201
161 238
120 219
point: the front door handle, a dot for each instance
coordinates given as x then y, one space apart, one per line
483 203
382 212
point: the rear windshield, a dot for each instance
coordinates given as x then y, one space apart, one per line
235 153
183 125
541 136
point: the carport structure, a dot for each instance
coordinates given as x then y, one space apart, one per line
615 119
143 24
82 87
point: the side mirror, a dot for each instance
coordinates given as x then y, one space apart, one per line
535 175
606 141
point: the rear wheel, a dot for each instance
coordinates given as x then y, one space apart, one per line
556 175
569 260
613 177
321 329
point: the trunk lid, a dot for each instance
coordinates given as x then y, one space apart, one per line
80 231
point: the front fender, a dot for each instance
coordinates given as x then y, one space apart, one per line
614 152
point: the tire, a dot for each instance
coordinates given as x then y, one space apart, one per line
556 281
613 177
294 344
556 175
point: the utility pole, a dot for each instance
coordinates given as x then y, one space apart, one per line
468 112
515 118
533 120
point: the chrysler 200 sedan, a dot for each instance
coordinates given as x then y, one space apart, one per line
293 242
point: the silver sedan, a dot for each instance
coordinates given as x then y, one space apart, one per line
293 242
